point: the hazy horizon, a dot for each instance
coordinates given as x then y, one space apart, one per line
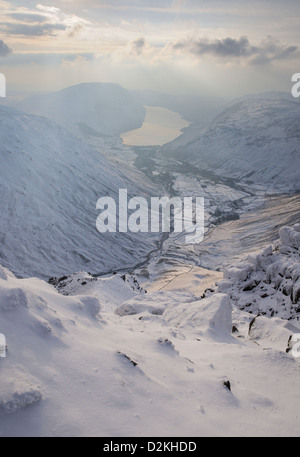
175 47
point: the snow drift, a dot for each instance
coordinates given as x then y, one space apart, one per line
74 367
210 316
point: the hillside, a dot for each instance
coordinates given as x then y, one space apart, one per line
254 140
50 182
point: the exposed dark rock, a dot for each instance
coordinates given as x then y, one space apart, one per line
128 358
227 384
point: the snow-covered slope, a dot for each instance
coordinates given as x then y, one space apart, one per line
92 108
111 360
268 282
254 139
49 185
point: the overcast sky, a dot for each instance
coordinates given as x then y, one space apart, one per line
182 46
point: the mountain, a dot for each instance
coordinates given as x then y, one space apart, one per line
166 345
93 108
254 140
50 182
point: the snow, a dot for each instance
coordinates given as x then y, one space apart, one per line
50 182
18 400
101 357
143 335
254 140
210 316
268 282
155 303
290 236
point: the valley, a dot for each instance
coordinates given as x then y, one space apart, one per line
141 334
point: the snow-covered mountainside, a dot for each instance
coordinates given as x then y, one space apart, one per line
169 339
92 108
105 358
49 185
254 140
268 282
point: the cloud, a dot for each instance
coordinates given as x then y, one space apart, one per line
51 59
4 49
35 30
138 45
41 21
27 17
48 9
271 49
75 30
229 48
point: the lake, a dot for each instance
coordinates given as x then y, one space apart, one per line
160 126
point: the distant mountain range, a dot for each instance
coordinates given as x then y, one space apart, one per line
94 108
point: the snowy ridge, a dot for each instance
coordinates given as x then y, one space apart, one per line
112 290
268 283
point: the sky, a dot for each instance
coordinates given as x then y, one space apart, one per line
203 47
